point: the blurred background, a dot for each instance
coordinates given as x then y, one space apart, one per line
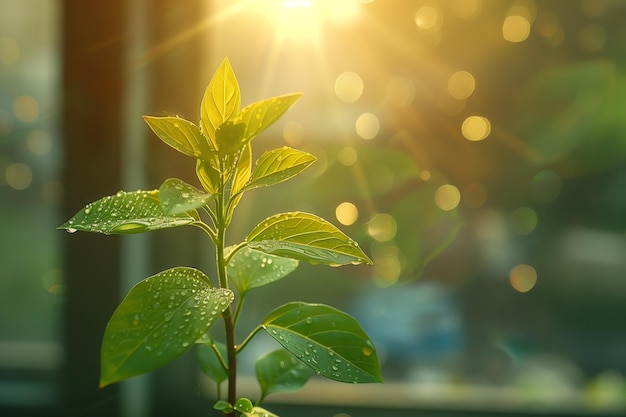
476 149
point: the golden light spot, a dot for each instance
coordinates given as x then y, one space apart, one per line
349 87
465 9
425 175
9 51
523 277
346 213
18 176
39 142
476 128
382 227
400 92
293 133
475 195
347 156
447 197
386 264
523 220
516 28
461 85
367 126
25 108
428 18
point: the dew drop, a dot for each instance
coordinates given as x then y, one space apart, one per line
71 230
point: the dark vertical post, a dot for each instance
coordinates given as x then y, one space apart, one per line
93 85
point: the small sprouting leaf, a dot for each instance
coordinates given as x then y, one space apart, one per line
278 165
280 371
327 340
179 197
210 363
209 177
252 269
221 101
127 212
180 134
243 405
305 237
224 406
261 114
160 319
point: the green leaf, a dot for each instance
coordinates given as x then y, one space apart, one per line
210 363
160 319
305 237
278 165
209 177
127 212
260 412
221 101
179 197
280 371
180 134
224 406
250 268
260 115
243 405
327 340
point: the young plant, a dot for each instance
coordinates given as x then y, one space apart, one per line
165 315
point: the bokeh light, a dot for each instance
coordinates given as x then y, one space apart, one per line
382 227
428 18
348 87
367 126
523 277
516 28
523 220
347 156
346 213
18 176
386 264
461 85
39 142
26 108
476 128
447 197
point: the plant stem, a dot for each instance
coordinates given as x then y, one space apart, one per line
229 326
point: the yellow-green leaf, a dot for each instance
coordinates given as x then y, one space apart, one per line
221 101
260 115
278 165
305 237
180 134
252 269
178 197
209 177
